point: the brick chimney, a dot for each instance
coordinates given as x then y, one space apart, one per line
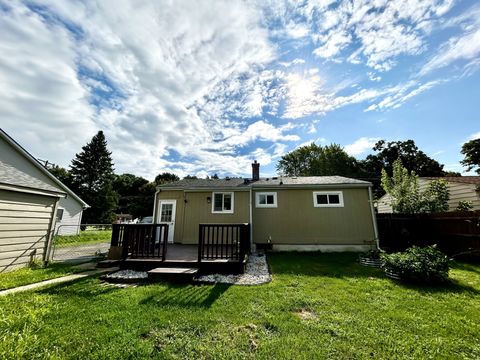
255 171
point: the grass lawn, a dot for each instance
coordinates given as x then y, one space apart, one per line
25 276
318 306
84 237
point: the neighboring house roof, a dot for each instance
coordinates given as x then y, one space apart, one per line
38 165
458 179
240 183
12 176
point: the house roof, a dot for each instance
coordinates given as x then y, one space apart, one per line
12 176
458 179
241 183
207 184
309 180
8 174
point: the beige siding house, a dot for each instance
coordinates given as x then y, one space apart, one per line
327 213
29 200
461 188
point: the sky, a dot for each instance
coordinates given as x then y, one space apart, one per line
205 87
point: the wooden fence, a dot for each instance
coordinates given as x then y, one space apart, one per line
141 240
453 232
223 241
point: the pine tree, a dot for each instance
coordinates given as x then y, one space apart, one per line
92 174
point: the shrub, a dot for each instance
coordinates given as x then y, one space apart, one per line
465 205
373 254
425 265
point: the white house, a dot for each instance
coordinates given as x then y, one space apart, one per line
31 200
466 188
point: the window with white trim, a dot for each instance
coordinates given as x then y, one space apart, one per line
222 202
266 199
328 198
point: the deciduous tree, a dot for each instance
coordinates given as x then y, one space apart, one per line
315 160
471 151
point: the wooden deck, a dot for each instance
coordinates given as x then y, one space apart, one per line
221 248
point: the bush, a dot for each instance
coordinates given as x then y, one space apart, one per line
425 265
373 254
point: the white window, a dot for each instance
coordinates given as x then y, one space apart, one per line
266 200
328 199
59 214
222 202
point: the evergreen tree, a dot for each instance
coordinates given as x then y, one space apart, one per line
92 176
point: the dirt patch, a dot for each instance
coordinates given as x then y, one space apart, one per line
305 314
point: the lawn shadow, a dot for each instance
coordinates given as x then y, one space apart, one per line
199 296
337 265
83 288
451 286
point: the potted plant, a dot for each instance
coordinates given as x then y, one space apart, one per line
372 258
417 264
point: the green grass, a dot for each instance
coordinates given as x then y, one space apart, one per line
84 237
25 276
351 312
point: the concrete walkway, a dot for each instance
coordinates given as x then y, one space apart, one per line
58 280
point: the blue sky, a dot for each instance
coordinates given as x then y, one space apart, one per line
204 87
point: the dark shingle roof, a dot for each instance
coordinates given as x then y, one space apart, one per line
309 180
240 183
458 179
207 184
12 176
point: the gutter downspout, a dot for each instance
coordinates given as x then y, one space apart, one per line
251 222
154 218
374 218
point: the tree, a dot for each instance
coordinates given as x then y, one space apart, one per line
411 157
435 197
471 151
133 199
92 175
165 177
402 187
61 174
190 177
315 160
405 195
128 184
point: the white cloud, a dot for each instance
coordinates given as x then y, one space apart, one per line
159 58
466 47
360 146
474 136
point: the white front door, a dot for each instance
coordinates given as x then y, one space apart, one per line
166 215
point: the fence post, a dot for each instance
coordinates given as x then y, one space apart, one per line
200 242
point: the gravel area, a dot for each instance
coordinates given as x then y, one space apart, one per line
256 273
127 275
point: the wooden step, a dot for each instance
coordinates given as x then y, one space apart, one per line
177 274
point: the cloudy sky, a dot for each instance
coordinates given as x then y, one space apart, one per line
204 87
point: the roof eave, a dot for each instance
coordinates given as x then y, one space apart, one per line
35 162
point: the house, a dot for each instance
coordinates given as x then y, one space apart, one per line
461 188
33 203
326 213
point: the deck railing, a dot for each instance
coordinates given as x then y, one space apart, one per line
141 240
223 241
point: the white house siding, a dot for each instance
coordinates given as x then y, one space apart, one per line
458 191
72 216
384 204
25 220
